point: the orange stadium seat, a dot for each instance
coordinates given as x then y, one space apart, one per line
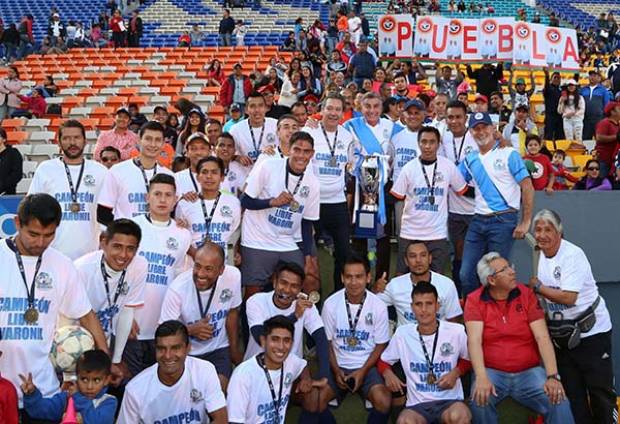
12 124
17 137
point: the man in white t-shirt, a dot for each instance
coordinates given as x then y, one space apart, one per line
255 133
197 147
207 300
75 182
397 292
287 126
164 245
262 386
456 143
235 173
124 190
503 186
355 27
424 184
331 144
36 285
568 288
356 324
215 215
281 199
114 279
433 355
178 388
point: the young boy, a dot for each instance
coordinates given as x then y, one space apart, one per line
561 173
90 398
543 176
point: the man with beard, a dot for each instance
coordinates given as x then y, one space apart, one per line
502 186
76 183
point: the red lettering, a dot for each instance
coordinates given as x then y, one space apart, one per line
570 51
404 34
535 53
505 38
470 39
444 39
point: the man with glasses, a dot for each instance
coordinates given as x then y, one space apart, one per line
109 156
507 339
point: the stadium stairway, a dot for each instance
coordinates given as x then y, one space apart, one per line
582 14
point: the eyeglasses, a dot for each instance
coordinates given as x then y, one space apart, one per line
104 159
504 269
592 168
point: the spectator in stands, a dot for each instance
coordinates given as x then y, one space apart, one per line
560 172
413 71
11 162
195 122
56 29
10 40
572 107
596 97
215 74
119 136
80 39
336 64
593 179
49 86
308 83
607 137
552 91
487 77
481 104
566 283
499 109
289 42
197 36
109 156
519 128
184 40
504 316
445 83
300 112
171 129
239 33
35 105
235 116
9 90
135 30
26 37
226 28
346 48
553 20
98 37
461 7
117 26
362 63
543 177
236 88
519 95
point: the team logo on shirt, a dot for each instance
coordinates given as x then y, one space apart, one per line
499 164
304 191
557 273
386 134
288 379
44 281
468 150
368 318
226 211
225 295
232 176
172 243
196 396
340 144
89 180
439 177
271 138
446 349
125 288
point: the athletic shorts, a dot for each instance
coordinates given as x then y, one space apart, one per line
458 225
372 378
257 266
431 411
220 358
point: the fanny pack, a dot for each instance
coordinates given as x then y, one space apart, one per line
566 333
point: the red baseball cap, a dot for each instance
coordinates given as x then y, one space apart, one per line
481 98
610 106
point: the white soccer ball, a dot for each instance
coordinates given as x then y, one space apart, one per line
69 343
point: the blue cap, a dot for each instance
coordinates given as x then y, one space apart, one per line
479 118
400 98
419 104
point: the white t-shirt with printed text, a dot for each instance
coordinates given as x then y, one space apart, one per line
249 398
51 178
371 329
243 139
164 248
58 290
189 400
235 177
405 149
185 184
455 149
181 303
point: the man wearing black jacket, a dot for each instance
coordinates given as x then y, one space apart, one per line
227 25
554 129
11 162
487 78
135 30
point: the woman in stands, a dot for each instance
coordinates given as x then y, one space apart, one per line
592 180
308 83
194 122
274 80
294 66
215 74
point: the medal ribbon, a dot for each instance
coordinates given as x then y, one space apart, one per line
301 177
353 323
209 218
20 264
276 401
74 191
191 177
431 188
457 157
429 361
332 148
146 181
203 311
260 138
119 287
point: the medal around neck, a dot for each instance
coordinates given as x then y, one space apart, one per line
352 341
294 206
75 207
31 315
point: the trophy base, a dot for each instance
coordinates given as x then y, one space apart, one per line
367 225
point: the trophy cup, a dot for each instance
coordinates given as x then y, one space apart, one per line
370 181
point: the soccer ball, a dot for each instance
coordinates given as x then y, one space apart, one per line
69 343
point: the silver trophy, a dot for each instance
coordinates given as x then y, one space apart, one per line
370 183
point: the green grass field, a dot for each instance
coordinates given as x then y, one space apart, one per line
352 409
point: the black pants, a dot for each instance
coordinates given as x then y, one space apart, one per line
25 419
384 249
589 127
554 128
336 222
588 378
133 40
118 38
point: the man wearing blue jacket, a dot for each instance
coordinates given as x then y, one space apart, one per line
596 97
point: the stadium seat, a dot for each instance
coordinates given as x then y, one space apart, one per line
41 152
23 186
41 137
16 137
579 161
28 168
24 149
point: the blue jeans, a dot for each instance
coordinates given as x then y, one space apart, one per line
485 234
526 388
225 40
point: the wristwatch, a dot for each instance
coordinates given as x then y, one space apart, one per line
536 287
555 377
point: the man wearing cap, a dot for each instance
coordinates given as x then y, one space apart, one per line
520 127
553 120
362 63
607 137
273 110
487 77
119 137
502 184
236 88
481 103
56 29
596 97
519 95
197 147
235 117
